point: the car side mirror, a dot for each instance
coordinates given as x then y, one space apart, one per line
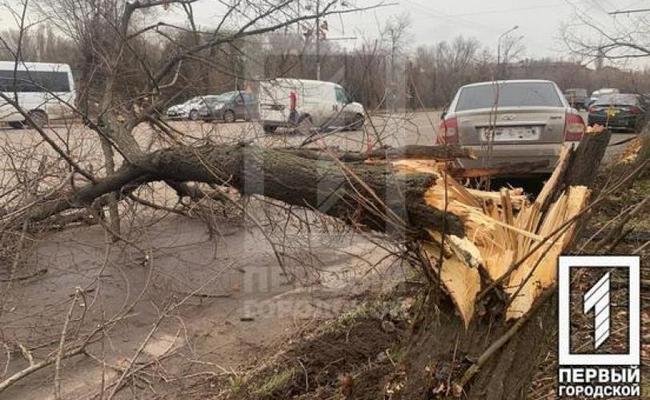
443 114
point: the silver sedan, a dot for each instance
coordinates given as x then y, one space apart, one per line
511 121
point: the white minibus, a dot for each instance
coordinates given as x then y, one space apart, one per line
44 91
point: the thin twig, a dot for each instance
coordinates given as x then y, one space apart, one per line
59 354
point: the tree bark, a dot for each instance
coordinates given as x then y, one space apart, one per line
587 158
113 210
372 196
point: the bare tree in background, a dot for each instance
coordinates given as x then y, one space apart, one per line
395 34
512 49
625 38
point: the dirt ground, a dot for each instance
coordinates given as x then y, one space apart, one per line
239 293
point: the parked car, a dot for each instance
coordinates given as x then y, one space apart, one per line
621 111
523 120
231 106
576 97
292 102
191 109
600 92
645 100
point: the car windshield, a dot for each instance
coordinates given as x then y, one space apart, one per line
617 99
341 95
509 94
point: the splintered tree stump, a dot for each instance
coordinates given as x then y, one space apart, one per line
587 158
506 374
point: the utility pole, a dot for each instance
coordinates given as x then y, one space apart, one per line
514 28
638 10
318 40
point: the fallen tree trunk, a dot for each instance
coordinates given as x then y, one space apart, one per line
411 199
413 151
510 170
372 196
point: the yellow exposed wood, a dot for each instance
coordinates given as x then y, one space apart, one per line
461 281
550 186
517 197
500 228
538 272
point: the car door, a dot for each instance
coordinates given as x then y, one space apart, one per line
251 105
344 114
336 107
313 100
239 106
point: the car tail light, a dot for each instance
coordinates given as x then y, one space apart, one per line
448 131
574 127
634 110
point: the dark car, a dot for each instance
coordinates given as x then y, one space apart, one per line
577 97
231 106
620 111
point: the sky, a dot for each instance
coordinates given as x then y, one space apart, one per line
539 22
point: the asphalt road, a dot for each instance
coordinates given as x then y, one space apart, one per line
382 129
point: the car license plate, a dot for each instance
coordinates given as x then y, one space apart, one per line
514 133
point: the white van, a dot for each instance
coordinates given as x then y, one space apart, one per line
321 104
42 90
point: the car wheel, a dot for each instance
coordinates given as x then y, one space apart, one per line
17 124
194 115
358 122
228 116
270 128
39 118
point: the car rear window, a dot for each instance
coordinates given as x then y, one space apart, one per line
508 95
618 99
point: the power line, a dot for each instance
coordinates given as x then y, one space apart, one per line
638 10
505 10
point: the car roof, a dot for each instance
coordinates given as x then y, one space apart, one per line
35 66
509 81
625 98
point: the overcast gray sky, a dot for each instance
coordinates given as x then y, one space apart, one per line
539 21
